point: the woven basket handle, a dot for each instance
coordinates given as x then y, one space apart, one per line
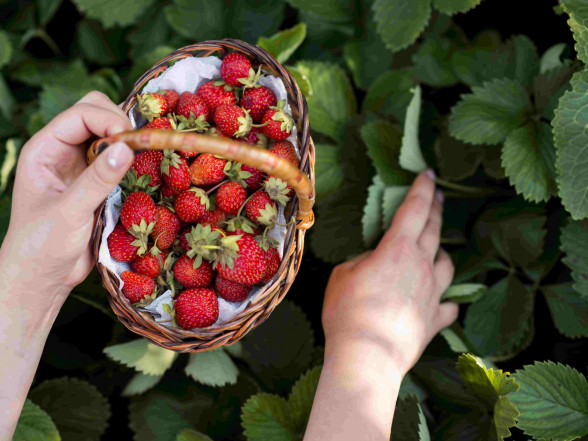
156 139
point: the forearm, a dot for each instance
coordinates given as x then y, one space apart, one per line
356 395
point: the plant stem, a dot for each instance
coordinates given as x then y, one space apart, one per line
43 35
462 188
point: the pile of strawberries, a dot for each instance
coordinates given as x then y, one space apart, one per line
198 224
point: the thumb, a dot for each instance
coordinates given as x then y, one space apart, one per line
96 182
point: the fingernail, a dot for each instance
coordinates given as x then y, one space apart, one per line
439 195
116 129
116 155
430 173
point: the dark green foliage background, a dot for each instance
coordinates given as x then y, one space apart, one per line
357 64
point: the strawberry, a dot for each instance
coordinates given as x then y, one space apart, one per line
230 197
278 124
172 97
152 105
168 192
137 286
166 228
191 276
203 241
232 120
175 171
148 265
236 69
183 239
149 163
255 137
138 215
286 150
122 245
238 225
214 217
192 112
231 291
240 259
261 209
258 100
186 154
207 169
162 122
273 262
196 308
216 93
191 204
254 181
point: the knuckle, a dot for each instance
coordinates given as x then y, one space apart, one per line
95 95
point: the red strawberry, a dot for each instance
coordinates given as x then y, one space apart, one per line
235 67
175 171
249 265
273 262
152 105
231 291
162 122
149 163
120 244
207 169
172 97
166 228
168 192
137 286
286 150
279 123
258 100
261 209
214 217
238 225
191 204
216 93
196 308
191 277
183 239
192 112
138 215
255 137
283 149
148 265
255 180
232 120
230 197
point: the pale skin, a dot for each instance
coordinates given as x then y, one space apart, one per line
381 308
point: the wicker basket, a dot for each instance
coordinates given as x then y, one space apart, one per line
302 180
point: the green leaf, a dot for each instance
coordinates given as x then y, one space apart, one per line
143 356
553 401
76 407
464 292
451 7
399 22
7 101
528 158
12 148
551 59
549 87
409 423
476 65
114 12
411 157
457 160
140 383
574 243
455 341
432 63
391 94
327 168
372 212
383 141
5 49
266 417
333 102
302 80
197 21
302 396
192 435
578 23
490 113
393 198
248 21
35 425
95 45
524 65
569 310
46 10
571 143
283 44
327 9
214 368
500 324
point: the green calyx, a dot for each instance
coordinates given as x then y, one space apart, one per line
203 241
251 80
265 242
236 223
233 171
287 123
202 195
148 106
268 215
191 124
245 124
277 190
170 158
228 251
141 232
145 301
131 183
222 83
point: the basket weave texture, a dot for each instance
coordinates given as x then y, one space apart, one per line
302 180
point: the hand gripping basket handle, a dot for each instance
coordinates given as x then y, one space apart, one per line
157 139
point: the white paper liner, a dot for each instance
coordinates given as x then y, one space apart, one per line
188 75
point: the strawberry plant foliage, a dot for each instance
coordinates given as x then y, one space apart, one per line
35 424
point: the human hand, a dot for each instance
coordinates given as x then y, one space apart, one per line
388 298
47 248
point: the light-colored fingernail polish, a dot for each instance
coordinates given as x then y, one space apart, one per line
440 196
116 154
430 173
116 129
